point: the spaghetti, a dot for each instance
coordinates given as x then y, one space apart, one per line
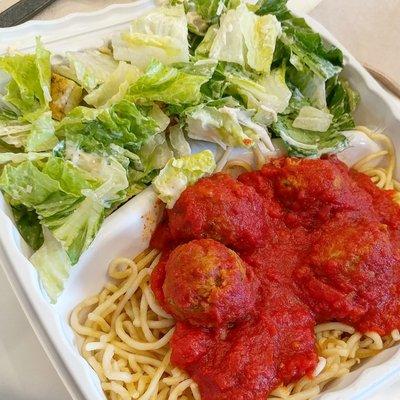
382 176
125 334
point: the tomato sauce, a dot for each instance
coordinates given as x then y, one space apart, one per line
251 265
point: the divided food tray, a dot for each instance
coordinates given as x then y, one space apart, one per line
128 230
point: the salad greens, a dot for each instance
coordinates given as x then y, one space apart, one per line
80 137
181 172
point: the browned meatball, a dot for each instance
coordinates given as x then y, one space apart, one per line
220 208
207 284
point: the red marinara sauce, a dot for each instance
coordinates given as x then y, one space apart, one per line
250 266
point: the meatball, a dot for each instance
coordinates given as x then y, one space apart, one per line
220 208
207 284
352 275
310 191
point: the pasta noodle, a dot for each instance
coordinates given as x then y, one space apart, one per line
382 176
125 333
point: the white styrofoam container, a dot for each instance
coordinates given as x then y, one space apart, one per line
128 230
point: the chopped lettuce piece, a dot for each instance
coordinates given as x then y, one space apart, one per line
29 87
313 119
228 44
306 48
305 143
53 265
27 185
246 39
178 141
115 87
71 178
167 84
161 34
15 133
276 7
121 124
179 173
154 155
342 101
260 34
28 225
89 68
312 86
36 136
77 230
203 49
161 119
17 158
269 95
210 9
41 136
227 126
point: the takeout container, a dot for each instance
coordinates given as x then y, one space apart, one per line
128 230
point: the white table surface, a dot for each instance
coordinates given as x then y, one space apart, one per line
370 29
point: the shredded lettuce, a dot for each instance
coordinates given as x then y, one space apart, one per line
179 173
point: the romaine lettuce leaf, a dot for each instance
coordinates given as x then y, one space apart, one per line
227 126
305 47
42 134
161 34
305 143
17 158
33 137
154 155
313 119
269 95
312 86
29 186
89 68
53 265
70 199
342 100
122 124
114 88
210 9
168 85
203 49
28 225
276 7
29 88
179 173
246 39
178 142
